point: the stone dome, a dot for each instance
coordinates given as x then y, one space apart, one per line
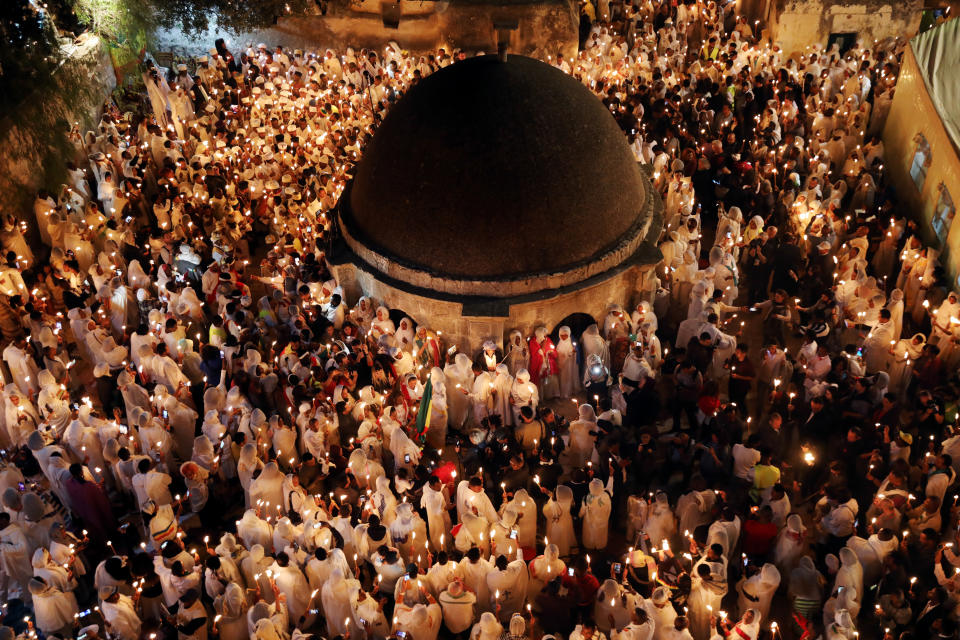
489 171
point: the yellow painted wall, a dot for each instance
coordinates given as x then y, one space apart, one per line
912 112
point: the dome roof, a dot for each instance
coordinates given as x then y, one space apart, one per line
491 170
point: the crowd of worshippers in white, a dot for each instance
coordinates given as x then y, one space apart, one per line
823 470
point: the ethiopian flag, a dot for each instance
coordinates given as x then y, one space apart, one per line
423 413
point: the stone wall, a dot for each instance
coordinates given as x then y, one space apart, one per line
545 27
796 24
33 140
626 287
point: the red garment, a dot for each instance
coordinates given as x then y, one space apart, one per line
584 588
90 503
709 405
540 368
758 537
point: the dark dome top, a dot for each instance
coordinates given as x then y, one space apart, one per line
488 169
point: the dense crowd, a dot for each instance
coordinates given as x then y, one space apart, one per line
204 438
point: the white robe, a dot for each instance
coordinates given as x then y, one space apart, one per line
559 519
595 512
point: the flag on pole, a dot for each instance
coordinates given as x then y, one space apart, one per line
423 413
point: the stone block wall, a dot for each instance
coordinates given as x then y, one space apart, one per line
796 24
627 287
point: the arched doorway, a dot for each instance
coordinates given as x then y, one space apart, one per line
399 314
578 323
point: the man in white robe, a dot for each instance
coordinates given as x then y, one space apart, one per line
436 503
292 584
507 585
877 344
472 498
23 368
661 612
458 607
473 570
15 557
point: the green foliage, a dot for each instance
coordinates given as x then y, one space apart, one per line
122 24
234 16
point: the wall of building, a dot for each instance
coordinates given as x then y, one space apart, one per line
912 112
544 28
627 288
796 24
33 140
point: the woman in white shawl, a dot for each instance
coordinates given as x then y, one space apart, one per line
248 465
137 278
922 277
473 532
845 599
437 427
567 363
487 628
189 305
20 415
267 490
613 608
726 275
458 376
661 523
408 533
790 543
52 573
557 513
729 227
382 322
252 530
337 595
502 385
757 590
405 335
749 626
850 574
682 281
895 306
363 314
945 328
593 344
526 509
53 609
53 401
905 354
196 479
252 566
842 627
523 393
518 355
122 306
384 502
806 585
231 611
267 620
405 451
582 438
595 512
543 569
365 471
